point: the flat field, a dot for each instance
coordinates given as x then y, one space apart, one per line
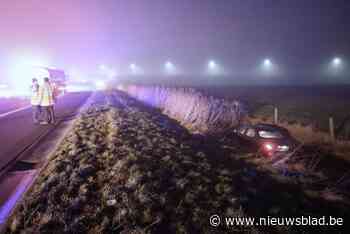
306 105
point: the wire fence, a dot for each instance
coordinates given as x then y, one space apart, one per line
337 131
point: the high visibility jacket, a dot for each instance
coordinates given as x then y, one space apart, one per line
35 97
46 95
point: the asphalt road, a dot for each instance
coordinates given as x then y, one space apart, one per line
9 104
18 131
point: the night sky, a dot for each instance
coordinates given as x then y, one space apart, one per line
299 35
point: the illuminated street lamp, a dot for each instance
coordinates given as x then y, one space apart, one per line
169 66
336 62
132 67
268 68
212 65
267 63
107 71
135 70
336 66
214 68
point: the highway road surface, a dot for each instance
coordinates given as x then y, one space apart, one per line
18 131
10 104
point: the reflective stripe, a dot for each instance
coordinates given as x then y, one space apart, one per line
46 95
35 98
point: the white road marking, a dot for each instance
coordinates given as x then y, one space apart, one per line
22 108
14 111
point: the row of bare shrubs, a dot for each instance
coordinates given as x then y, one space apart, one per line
194 110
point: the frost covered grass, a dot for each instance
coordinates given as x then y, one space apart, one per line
194 110
126 168
119 170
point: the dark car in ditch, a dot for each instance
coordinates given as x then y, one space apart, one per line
266 139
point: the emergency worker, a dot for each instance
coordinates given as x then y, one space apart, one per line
35 101
47 102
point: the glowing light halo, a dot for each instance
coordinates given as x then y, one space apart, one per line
337 62
169 68
212 65
267 63
22 69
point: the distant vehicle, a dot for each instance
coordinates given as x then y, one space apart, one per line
59 79
268 139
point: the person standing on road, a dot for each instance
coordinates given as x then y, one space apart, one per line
35 100
47 101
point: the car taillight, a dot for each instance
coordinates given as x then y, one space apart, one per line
269 147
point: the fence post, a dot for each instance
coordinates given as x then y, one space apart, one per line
275 116
331 129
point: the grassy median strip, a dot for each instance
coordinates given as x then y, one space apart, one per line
126 168
119 170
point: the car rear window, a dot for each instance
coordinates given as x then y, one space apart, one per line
241 130
251 132
270 134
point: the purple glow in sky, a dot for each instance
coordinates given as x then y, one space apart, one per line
86 33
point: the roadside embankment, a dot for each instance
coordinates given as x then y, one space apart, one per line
194 110
127 168
124 169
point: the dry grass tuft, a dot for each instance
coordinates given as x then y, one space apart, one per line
194 110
